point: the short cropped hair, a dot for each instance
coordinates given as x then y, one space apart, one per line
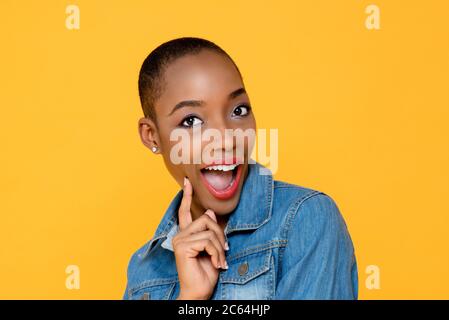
151 76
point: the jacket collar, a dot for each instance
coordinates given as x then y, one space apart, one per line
253 210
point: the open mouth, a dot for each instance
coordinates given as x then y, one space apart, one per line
222 180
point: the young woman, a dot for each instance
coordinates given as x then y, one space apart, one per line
231 232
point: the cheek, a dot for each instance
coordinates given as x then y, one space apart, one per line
176 169
179 171
252 123
180 146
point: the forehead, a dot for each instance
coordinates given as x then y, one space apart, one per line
204 76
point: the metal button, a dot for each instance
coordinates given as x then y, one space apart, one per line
145 296
243 268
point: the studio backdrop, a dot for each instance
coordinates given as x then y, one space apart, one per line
356 91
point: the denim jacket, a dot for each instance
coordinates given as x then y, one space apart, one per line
286 242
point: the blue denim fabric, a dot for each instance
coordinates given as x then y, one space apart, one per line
286 242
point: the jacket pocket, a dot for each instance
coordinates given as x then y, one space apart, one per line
155 289
249 276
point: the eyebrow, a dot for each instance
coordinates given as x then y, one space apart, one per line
198 103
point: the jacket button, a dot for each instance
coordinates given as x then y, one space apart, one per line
243 268
145 296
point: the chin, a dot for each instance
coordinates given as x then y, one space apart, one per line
223 208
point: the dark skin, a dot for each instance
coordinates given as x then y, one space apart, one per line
212 80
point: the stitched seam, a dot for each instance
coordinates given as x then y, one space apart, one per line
223 293
151 283
252 275
169 292
269 201
272 279
247 278
270 245
283 184
279 268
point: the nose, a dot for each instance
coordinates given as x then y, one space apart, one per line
223 143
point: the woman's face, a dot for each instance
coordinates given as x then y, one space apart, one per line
201 92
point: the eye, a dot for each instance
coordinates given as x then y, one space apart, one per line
191 121
241 110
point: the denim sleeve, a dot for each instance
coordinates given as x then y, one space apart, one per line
125 295
130 272
318 261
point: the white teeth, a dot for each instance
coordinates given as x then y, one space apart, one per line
222 167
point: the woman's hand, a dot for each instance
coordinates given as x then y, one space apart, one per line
197 272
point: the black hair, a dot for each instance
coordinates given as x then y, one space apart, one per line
152 70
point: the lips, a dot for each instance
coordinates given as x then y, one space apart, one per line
222 180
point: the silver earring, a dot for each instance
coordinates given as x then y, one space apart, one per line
154 149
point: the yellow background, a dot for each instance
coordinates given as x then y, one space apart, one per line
362 115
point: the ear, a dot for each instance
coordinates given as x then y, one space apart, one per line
149 134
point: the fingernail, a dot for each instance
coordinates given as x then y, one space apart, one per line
226 246
185 181
226 265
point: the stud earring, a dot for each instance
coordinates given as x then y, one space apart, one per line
154 149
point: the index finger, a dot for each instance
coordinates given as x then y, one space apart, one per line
184 215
